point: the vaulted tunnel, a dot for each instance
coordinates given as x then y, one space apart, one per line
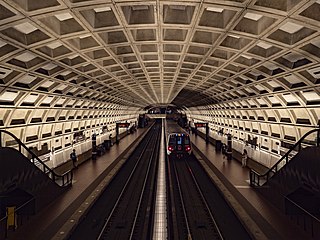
250 67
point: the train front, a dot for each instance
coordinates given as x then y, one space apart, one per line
178 145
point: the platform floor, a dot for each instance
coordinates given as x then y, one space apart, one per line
47 222
276 224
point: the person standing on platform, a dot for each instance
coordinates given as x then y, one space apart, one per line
224 150
110 139
94 147
74 158
244 158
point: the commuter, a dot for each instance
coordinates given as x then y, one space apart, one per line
110 139
74 158
244 158
224 150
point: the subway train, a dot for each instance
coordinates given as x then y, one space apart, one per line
178 141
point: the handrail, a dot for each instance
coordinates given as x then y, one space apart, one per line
255 176
304 217
303 210
62 180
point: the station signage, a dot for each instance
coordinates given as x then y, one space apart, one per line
199 125
123 125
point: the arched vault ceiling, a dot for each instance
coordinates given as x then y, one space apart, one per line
140 53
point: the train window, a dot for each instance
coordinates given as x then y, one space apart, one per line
186 141
179 140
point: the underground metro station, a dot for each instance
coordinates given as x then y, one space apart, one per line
159 119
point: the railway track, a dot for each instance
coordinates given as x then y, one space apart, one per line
200 211
124 210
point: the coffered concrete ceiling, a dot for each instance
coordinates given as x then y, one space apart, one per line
140 53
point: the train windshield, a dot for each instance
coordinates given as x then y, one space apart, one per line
179 140
172 141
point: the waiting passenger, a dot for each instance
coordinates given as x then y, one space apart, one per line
74 158
244 158
224 150
110 138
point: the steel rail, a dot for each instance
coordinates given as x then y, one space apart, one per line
182 202
152 158
204 200
174 229
121 193
123 189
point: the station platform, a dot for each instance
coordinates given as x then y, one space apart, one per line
46 223
273 223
